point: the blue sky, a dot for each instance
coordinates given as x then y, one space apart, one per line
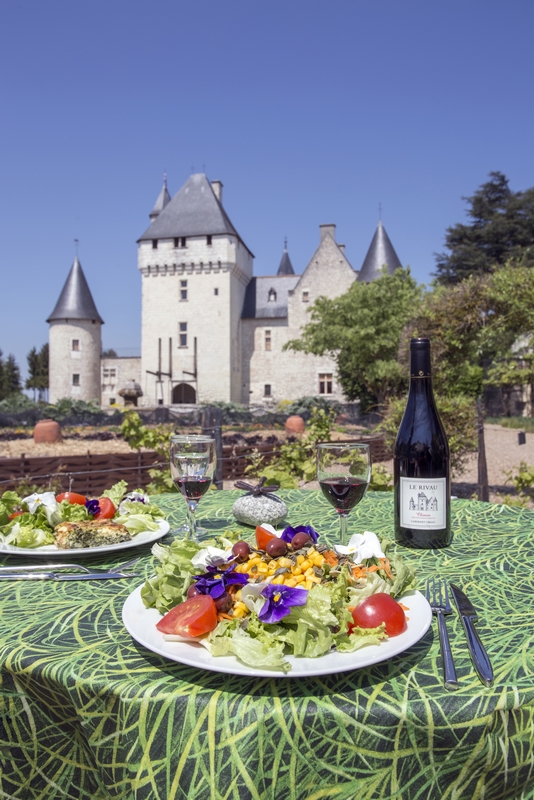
309 112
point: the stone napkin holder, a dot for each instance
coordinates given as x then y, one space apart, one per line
259 504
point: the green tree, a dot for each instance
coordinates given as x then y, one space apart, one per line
38 371
109 353
361 330
501 228
9 377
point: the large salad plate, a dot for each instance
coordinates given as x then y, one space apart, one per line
140 622
51 551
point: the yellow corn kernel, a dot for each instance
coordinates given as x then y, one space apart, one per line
285 562
296 571
278 579
290 582
239 613
309 572
307 585
238 595
274 564
263 569
299 578
306 564
317 559
254 560
240 605
300 559
313 579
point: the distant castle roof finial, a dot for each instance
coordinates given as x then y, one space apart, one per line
285 243
380 212
76 242
163 198
286 267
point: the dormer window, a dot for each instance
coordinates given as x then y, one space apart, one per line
154 244
305 297
208 239
271 297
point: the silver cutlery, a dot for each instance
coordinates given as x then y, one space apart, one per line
65 572
478 653
438 598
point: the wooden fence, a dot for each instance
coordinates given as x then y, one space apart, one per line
90 474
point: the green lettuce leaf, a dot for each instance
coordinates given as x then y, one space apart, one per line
136 523
132 507
10 501
169 585
73 512
360 637
27 536
116 493
262 651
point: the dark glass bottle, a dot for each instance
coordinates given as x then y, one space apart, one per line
421 464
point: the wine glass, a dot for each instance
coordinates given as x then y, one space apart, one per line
343 472
192 460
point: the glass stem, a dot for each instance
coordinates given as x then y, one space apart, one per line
191 508
343 528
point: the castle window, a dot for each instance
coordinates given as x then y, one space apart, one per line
267 390
76 379
208 239
176 242
154 244
182 241
215 291
183 290
271 297
113 373
305 297
325 383
267 340
183 334
112 401
75 344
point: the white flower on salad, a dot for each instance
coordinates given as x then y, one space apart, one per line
251 594
361 546
267 527
48 501
211 557
133 497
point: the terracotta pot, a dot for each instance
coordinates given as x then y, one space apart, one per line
47 431
295 424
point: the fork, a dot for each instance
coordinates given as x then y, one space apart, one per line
440 605
57 567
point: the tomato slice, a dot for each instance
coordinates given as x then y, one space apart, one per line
107 508
263 537
192 618
379 608
15 514
72 497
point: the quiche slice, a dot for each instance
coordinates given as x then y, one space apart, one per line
89 533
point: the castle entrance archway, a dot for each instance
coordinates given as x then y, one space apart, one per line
183 393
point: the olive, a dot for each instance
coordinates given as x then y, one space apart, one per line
276 547
241 551
192 591
300 540
223 603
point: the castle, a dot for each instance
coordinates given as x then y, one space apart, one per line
210 329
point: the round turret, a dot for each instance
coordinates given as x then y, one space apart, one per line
75 341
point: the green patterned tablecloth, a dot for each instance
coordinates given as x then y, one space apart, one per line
88 713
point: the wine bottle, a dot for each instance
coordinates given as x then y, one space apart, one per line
421 462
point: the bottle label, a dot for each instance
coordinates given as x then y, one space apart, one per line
423 503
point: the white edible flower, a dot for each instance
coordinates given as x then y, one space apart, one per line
267 527
251 594
46 499
211 557
361 546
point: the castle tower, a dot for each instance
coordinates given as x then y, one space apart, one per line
381 254
75 341
195 268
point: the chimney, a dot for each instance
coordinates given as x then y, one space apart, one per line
331 229
217 190
342 248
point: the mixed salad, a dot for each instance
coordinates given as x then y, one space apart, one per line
282 593
30 521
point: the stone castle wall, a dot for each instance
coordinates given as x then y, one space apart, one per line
75 348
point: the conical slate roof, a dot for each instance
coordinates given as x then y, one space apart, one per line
380 253
75 300
193 211
163 198
286 267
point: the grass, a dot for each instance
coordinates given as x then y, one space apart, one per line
519 423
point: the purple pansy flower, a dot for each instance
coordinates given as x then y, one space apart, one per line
92 507
280 600
289 532
215 581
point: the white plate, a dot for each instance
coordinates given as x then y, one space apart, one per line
143 537
141 622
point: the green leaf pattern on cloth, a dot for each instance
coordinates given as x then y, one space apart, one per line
88 713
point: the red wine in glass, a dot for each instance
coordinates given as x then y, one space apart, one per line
343 493
193 488
343 472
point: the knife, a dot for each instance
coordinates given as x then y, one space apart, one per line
468 615
65 576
